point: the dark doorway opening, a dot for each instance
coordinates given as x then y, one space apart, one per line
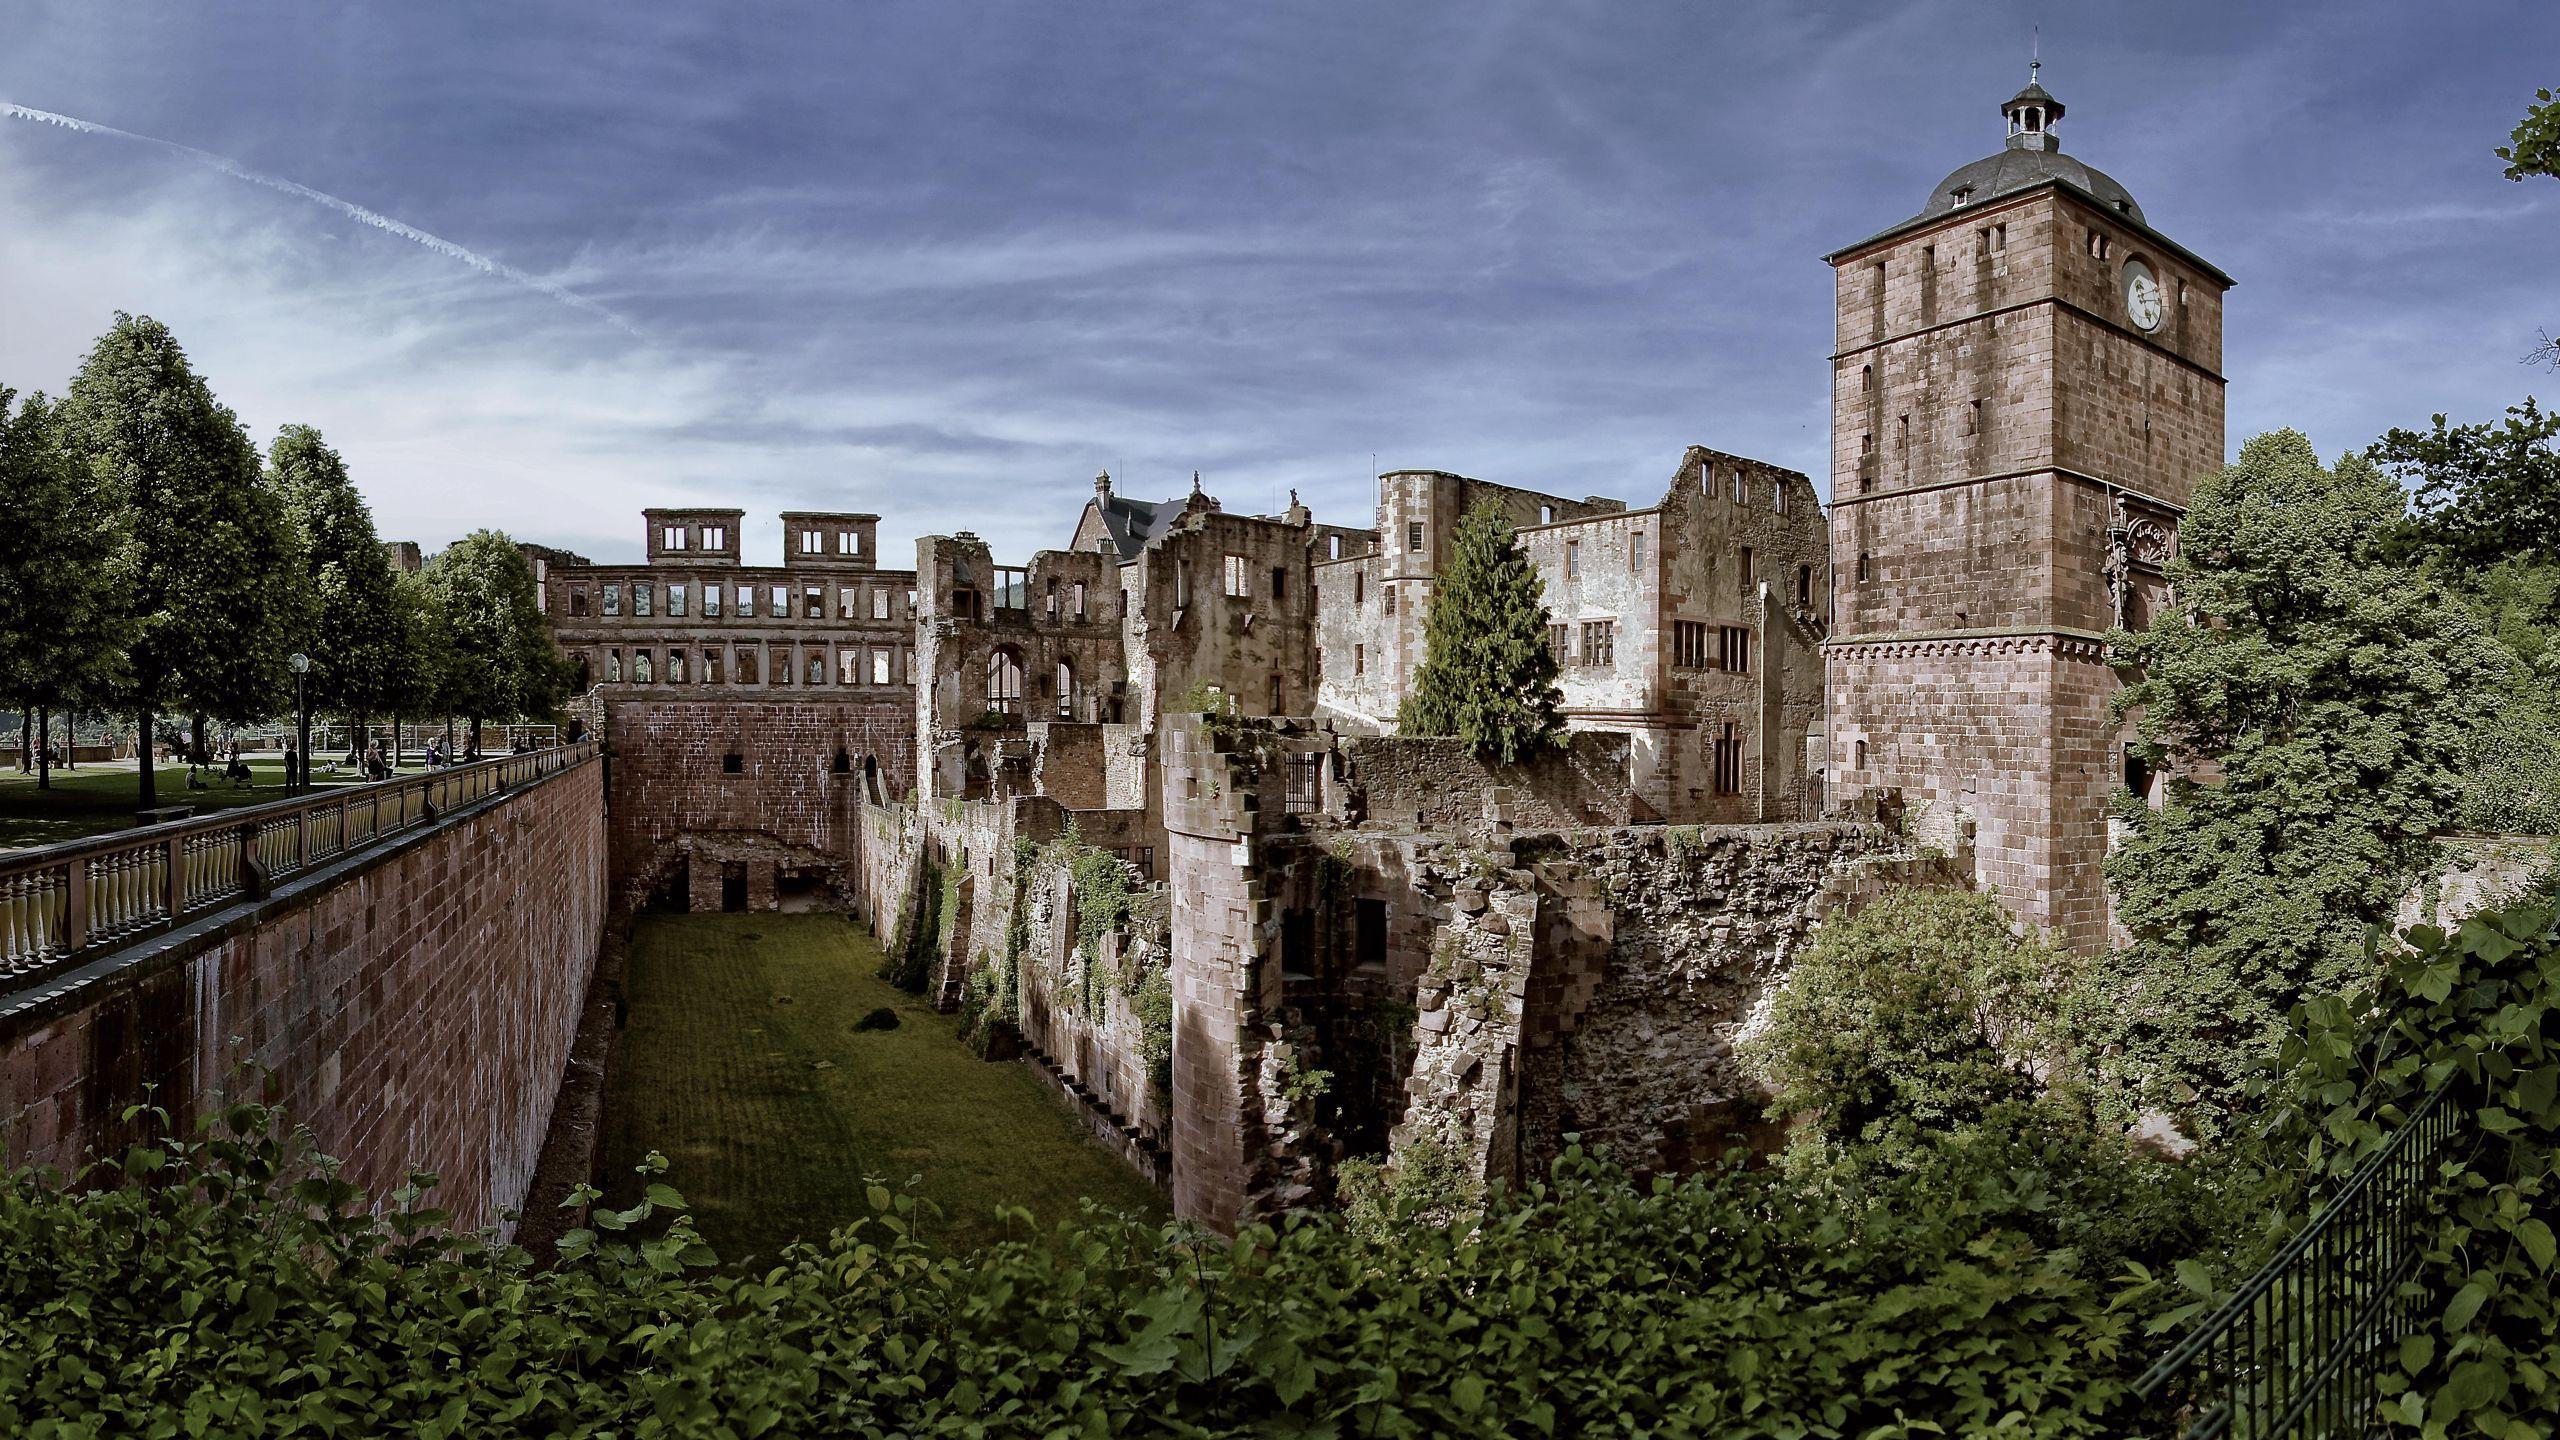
1369 945
733 886
799 890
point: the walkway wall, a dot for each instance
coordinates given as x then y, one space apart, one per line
411 1005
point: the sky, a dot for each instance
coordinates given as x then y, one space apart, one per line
535 266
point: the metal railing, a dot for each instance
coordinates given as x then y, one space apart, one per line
2298 1351
63 904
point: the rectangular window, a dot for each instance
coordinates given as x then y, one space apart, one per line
1902 435
1279 583
879 667
1075 598
1689 644
848 601
1735 650
817 667
642 594
670 537
613 666
813 601
613 599
1804 586
710 667
1572 559
1741 486
1866 567
1973 417
848 667
1333 547
782 671
640 668
1599 642
1387 601
1635 551
907 665
711 601
1413 535
1359 659
676 599
746 664
1728 777
1560 643
1181 583
1359 587
809 542
781 603
715 537
746 602
879 603
1235 581
675 667
1750 572
577 599
2097 246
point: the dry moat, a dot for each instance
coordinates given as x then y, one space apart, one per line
741 1061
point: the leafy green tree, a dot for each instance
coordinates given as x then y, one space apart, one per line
215 593
2480 495
1487 675
355 641
1909 1021
503 661
2534 149
62 567
2315 707
420 683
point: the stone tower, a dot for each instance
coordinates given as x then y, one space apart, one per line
2027 385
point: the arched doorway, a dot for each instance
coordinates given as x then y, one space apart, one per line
1004 681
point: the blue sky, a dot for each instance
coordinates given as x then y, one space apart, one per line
943 261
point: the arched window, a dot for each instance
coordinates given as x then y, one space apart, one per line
1066 690
1004 682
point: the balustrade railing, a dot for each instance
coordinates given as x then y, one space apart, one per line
2297 1352
64 903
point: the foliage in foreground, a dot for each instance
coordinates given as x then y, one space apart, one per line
2481 1005
213 1295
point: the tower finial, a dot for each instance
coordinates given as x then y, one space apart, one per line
2035 52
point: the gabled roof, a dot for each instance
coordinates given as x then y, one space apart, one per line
1132 523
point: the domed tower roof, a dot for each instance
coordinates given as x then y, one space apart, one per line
2031 157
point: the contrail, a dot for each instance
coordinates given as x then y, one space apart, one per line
352 211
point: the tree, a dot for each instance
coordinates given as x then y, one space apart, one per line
503 661
2479 494
62 567
426 652
2534 149
1906 1022
212 593
1487 675
2315 706
354 639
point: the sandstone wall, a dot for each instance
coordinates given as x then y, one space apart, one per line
412 1005
1423 783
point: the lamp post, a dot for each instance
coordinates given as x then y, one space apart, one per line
299 772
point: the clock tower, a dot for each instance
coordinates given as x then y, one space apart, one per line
2026 386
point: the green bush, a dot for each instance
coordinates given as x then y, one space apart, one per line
2480 1005
215 1298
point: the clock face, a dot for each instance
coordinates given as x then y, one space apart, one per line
2142 303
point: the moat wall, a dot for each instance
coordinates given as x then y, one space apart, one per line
410 1006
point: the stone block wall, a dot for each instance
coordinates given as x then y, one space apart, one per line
411 1006
803 769
1433 783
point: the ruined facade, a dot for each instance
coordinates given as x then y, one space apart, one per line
2028 384
751 708
1691 626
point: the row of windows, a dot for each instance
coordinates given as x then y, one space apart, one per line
1235 581
714 537
677 597
852 665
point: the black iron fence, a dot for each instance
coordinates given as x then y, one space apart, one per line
2298 1352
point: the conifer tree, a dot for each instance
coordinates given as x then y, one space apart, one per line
2316 708
354 640
214 593
62 563
1487 675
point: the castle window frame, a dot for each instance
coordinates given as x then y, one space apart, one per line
1387 601
675 667
711 601
613 667
1973 417
1560 643
1077 596
670 537
1600 643
2100 247
640 669
577 600
849 666
733 763
780 609
1866 379
1733 649
676 601
1750 571
1778 497
1333 547
1728 761
809 542
1359 659
1359 587
880 672
1279 582
1233 578
1181 583
1866 567
715 537
784 669
745 674
813 601
1804 587
1546 514
643 595
1635 551
746 607
1741 486
711 667
1413 537
1573 559
1689 645
815 672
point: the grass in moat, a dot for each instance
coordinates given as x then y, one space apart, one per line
102 795
739 1060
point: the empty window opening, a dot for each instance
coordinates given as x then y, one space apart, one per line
1359 659
733 763
1866 567
641 596
843 763
675 667
1560 643
1689 644
1750 573
1369 931
1728 761
710 667
816 671
669 537
1572 559
1599 642
1413 535
1973 417
1233 576
1734 649
1279 582
1004 682
747 666
640 670
1804 586
577 599
1635 551
676 599
808 542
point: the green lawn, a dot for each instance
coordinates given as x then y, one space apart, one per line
741 1063
103 795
